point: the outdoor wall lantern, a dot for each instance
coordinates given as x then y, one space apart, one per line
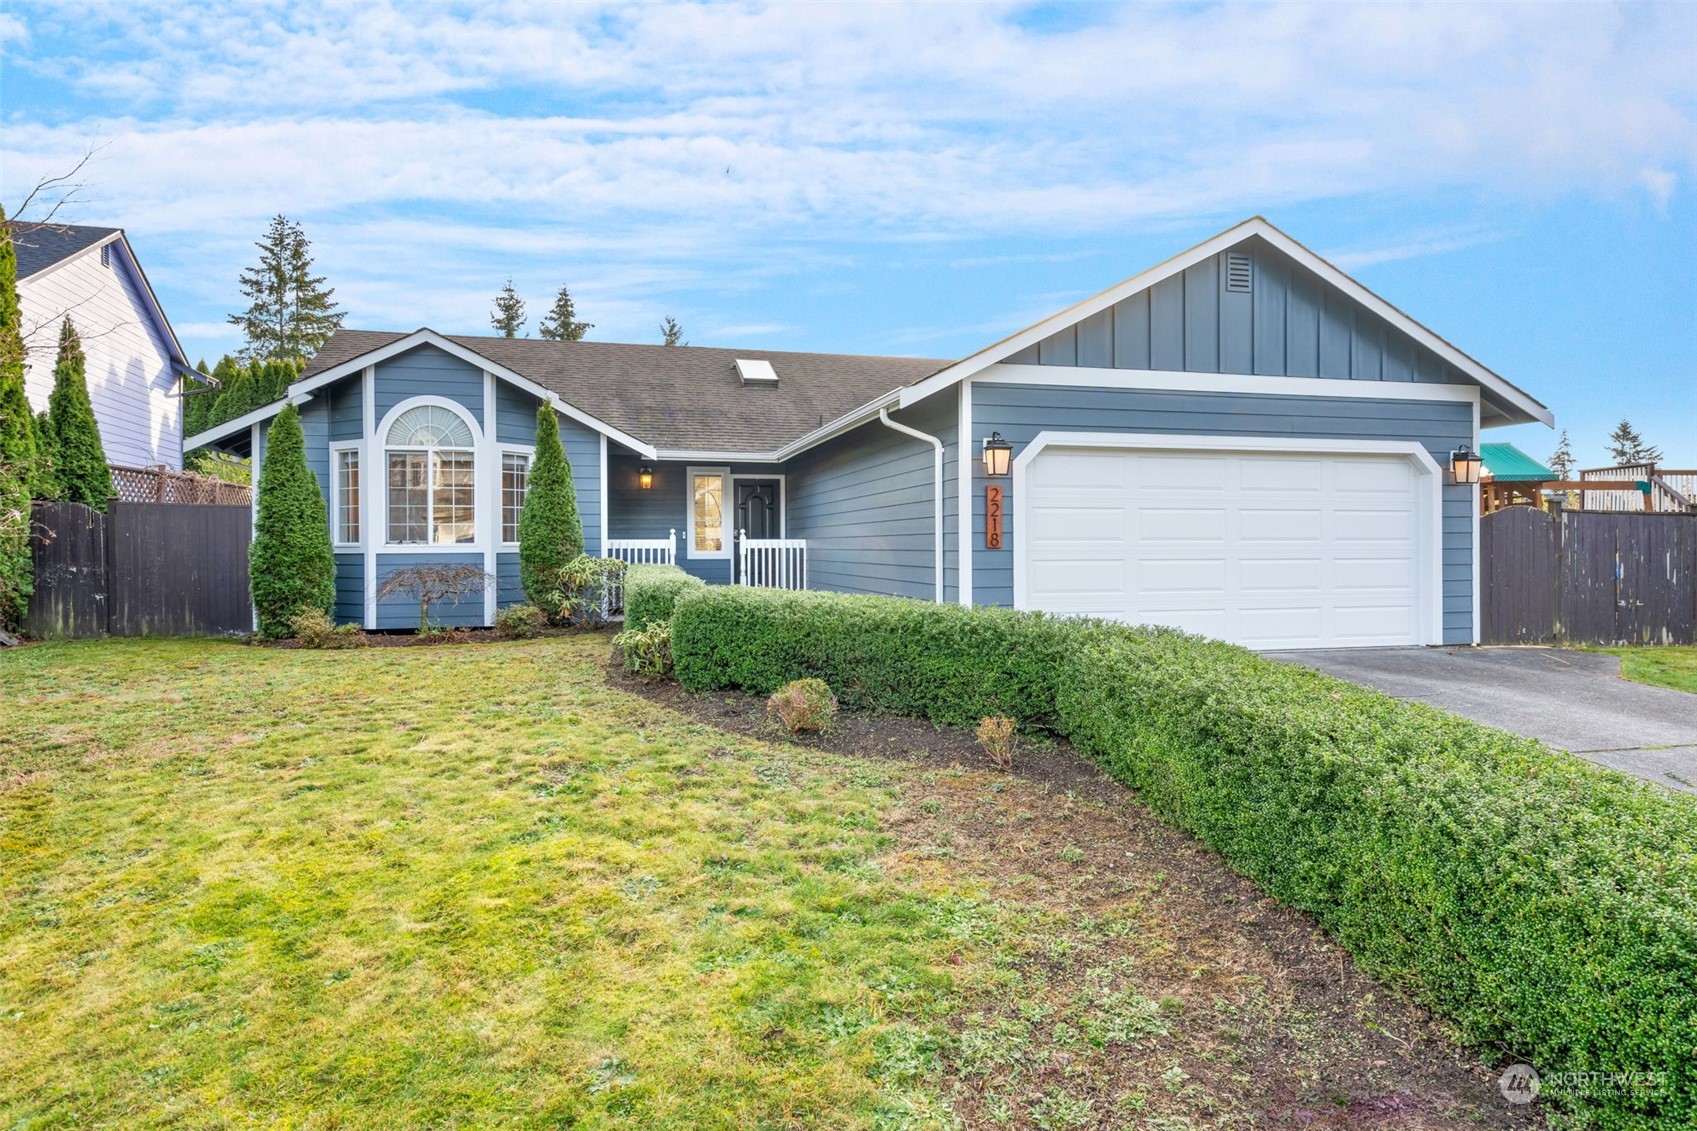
997 452
1464 465
645 477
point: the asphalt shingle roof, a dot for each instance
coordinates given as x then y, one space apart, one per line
678 397
40 246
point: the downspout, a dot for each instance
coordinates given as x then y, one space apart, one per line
937 445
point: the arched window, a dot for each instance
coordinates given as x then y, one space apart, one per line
432 475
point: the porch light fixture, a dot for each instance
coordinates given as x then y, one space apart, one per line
997 452
1464 465
645 477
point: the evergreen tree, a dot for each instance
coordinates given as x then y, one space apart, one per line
1562 462
46 485
291 314
19 460
550 531
1629 448
79 460
508 315
561 324
290 563
671 334
198 397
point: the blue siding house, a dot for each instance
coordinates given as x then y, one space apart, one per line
1241 441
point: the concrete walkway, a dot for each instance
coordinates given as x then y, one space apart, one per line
1574 701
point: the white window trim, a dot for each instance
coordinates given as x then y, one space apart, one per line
478 450
357 447
1430 521
502 451
726 509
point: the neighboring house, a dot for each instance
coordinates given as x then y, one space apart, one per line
135 363
1242 442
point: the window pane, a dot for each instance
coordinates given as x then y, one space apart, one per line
452 489
408 497
515 471
709 533
347 496
430 426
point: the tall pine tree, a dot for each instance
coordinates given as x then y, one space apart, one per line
1562 461
19 463
672 334
80 474
508 315
1629 448
550 529
560 324
290 563
290 314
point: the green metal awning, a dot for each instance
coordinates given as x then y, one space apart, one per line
1508 464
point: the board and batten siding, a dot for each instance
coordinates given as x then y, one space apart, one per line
1290 323
865 503
1019 412
128 363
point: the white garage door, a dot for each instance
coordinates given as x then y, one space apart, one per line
1264 549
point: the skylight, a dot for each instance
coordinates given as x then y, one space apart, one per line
756 372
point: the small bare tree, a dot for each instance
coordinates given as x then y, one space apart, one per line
430 584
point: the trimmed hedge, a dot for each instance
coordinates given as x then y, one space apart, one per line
945 663
1545 905
652 590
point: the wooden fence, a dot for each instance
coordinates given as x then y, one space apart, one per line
140 569
1583 577
162 485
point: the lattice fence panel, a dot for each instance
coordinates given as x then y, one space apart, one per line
162 485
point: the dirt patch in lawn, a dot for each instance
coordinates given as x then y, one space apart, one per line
1160 989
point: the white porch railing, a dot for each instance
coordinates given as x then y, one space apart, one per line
638 551
771 563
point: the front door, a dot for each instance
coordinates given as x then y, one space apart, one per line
757 513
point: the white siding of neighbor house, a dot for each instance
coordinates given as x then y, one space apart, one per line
129 367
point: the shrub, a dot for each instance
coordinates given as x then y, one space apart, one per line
314 629
20 463
290 563
585 588
652 590
550 531
520 622
1544 905
648 650
945 663
80 474
999 736
803 704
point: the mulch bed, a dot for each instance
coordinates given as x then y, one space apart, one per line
1277 1017
408 638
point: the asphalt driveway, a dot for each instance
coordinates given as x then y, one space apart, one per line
1574 701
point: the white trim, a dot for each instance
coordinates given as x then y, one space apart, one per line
936 491
479 455
1431 520
963 569
487 477
368 422
725 509
686 455
337 448
1473 503
426 336
1004 373
502 451
604 500
1254 226
255 469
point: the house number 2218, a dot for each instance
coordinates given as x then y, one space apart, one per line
992 517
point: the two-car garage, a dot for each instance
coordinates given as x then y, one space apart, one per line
1271 544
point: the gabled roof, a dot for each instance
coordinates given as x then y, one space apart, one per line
672 398
1508 464
1512 404
41 246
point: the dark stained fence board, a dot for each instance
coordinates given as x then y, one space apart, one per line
1588 577
68 545
141 569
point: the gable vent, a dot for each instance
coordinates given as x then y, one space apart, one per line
106 255
1238 272
756 372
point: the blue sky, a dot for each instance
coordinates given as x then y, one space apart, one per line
889 179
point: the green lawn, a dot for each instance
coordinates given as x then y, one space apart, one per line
476 886
1665 667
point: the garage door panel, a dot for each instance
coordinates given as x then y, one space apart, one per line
1266 549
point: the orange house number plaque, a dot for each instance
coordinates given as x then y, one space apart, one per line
992 517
